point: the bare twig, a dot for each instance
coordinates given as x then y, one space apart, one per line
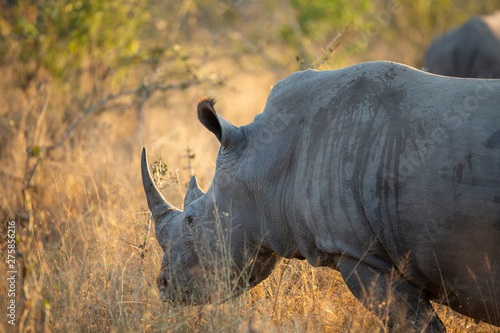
32 173
43 111
24 113
190 156
140 111
131 244
176 24
325 53
111 97
143 249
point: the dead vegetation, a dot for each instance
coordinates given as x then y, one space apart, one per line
70 179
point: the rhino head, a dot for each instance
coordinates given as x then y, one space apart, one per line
212 251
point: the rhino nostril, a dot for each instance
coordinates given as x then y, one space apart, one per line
161 279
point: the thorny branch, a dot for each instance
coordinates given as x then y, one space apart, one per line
138 90
141 247
42 153
325 52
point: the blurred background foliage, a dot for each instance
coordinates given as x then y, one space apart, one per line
64 38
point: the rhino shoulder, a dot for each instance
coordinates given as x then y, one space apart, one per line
302 90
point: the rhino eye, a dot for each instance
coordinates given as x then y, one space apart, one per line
189 230
189 220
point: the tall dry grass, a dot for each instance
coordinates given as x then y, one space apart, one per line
87 261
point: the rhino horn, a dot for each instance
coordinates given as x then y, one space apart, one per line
157 204
193 192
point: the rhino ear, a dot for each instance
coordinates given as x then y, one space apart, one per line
225 132
193 192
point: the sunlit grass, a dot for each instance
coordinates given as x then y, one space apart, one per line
86 268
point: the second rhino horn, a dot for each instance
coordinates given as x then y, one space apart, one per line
193 192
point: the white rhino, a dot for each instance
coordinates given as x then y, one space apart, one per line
387 174
472 50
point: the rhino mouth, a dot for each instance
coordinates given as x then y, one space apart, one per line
184 294
179 298
192 294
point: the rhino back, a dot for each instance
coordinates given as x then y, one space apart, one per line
393 166
471 50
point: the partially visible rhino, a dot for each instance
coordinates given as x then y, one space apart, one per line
383 172
472 50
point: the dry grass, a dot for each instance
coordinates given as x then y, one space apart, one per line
83 275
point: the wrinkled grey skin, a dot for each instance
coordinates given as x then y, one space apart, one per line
472 50
383 172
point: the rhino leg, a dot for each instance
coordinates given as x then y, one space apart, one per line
395 301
